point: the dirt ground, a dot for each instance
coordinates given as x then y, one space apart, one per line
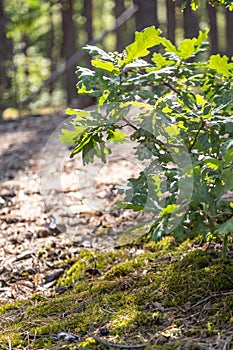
53 222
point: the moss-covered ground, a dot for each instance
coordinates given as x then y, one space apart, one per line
158 295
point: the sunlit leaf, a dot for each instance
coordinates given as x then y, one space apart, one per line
117 137
103 98
212 163
144 40
168 45
169 209
202 37
109 66
187 48
79 112
70 136
83 90
194 5
172 130
221 65
161 61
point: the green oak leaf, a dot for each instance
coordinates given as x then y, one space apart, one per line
116 136
212 163
169 209
187 48
161 61
109 66
144 40
70 136
169 47
79 112
221 65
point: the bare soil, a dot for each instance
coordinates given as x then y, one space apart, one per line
33 222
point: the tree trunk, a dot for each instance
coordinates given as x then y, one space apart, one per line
51 44
147 14
68 46
229 31
25 46
171 20
6 54
122 31
212 15
191 27
88 14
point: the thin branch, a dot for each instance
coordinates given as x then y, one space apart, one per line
196 136
129 124
171 87
121 346
216 295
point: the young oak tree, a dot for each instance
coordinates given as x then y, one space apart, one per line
183 126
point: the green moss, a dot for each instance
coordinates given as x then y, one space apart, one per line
138 297
89 262
11 306
121 269
222 311
196 260
88 343
167 243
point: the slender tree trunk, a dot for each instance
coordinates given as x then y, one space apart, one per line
68 46
229 32
88 14
122 31
212 15
171 20
51 44
147 14
6 54
191 27
25 45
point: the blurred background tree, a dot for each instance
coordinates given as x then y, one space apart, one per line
41 41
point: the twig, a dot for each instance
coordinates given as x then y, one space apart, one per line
9 343
216 295
166 83
121 346
129 124
196 136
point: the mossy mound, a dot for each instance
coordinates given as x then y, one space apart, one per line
157 295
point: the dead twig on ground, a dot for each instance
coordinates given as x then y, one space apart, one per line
114 345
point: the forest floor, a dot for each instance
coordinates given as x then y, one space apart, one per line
66 283
28 220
